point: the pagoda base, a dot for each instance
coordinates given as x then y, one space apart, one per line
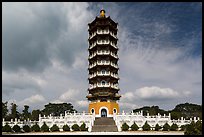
103 109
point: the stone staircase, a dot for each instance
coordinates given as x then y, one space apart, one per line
104 124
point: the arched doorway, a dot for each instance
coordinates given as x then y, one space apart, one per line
103 112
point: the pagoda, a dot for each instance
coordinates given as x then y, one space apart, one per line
103 67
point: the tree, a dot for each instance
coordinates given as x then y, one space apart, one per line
35 128
134 127
157 127
166 127
54 128
66 128
174 127
57 109
6 128
125 127
35 115
83 127
25 113
44 128
75 127
4 110
14 112
193 129
16 128
26 128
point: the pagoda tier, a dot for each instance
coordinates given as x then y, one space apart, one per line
103 60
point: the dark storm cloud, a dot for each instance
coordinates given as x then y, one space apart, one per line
35 33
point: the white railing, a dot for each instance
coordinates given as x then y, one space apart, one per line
103 42
92 86
102 31
103 62
103 74
140 119
87 118
105 52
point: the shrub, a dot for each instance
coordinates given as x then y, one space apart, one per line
125 127
44 128
157 127
83 127
66 128
174 127
166 127
35 128
54 128
193 128
146 127
134 127
6 128
26 128
16 128
75 127
183 127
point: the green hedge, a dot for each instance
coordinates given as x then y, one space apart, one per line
83 127
26 128
54 128
134 127
44 128
146 127
75 127
66 128
125 127
166 127
6 128
16 128
35 128
174 127
157 127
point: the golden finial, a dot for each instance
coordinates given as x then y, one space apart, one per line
102 13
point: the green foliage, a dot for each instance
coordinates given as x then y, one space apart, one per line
66 128
16 128
166 127
6 128
83 127
25 114
35 128
4 110
75 127
35 115
125 127
157 127
186 110
134 127
153 110
54 128
146 127
57 109
26 128
183 127
174 127
194 128
44 128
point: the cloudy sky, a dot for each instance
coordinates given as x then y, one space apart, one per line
45 57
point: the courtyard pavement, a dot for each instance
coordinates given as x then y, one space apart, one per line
104 133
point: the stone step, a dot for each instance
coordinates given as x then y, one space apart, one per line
104 124
104 128
104 121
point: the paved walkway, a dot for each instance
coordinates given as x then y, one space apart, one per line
106 133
